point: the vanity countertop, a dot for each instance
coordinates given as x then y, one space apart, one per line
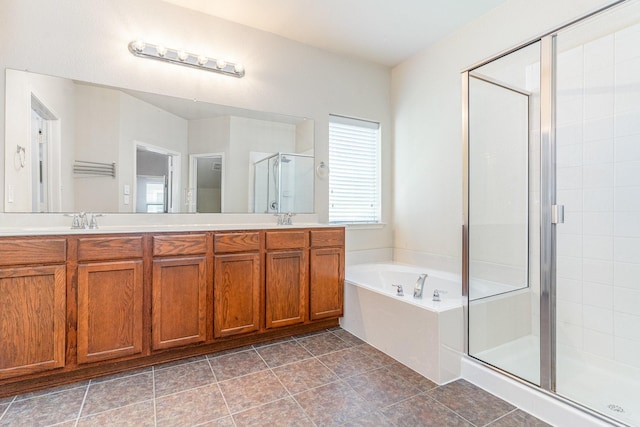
51 224
38 231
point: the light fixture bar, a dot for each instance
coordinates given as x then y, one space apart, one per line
180 57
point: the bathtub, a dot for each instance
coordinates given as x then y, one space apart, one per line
423 334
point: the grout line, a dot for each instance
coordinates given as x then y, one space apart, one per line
7 408
177 363
118 408
502 416
286 389
224 399
153 388
84 399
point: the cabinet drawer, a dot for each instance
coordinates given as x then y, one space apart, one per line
32 251
236 242
177 244
103 248
333 237
287 239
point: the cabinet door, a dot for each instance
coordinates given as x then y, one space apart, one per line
326 283
179 302
109 310
287 281
32 319
236 294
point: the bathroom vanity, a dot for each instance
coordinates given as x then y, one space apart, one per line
84 304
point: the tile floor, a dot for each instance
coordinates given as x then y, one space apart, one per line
322 379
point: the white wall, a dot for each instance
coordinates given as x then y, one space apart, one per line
426 102
97 112
88 41
57 95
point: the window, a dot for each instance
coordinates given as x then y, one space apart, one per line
354 162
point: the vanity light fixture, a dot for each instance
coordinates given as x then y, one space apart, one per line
182 57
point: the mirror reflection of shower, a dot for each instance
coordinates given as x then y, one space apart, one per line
283 182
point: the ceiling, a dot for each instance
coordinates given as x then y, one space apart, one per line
382 31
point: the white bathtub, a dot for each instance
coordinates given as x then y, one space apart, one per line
423 334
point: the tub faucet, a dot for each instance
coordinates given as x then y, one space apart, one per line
400 292
436 295
419 286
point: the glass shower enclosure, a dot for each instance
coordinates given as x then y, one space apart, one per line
283 182
552 212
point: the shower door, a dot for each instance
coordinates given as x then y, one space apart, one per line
598 182
503 287
552 212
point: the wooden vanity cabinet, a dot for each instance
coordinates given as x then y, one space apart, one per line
32 305
110 298
79 306
326 284
236 284
179 290
286 278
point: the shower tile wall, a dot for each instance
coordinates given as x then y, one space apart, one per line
598 178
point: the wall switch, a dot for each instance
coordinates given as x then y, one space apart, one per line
126 200
127 189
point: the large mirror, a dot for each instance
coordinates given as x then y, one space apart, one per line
75 146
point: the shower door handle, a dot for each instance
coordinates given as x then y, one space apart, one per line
557 214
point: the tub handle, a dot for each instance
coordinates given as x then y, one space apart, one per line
400 291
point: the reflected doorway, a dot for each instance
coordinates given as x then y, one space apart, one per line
43 146
206 183
156 179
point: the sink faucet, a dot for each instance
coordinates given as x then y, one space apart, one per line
285 218
93 224
81 221
419 286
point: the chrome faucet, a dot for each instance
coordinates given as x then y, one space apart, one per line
80 221
400 291
93 224
285 218
436 295
419 286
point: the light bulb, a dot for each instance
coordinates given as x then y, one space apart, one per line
221 63
162 51
238 68
202 60
138 45
182 55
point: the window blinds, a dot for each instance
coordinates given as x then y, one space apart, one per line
354 181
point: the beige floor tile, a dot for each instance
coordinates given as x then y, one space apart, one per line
246 392
322 343
183 377
117 393
191 407
46 409
283 353
333 404
282 413
300 376
237 364
136 415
